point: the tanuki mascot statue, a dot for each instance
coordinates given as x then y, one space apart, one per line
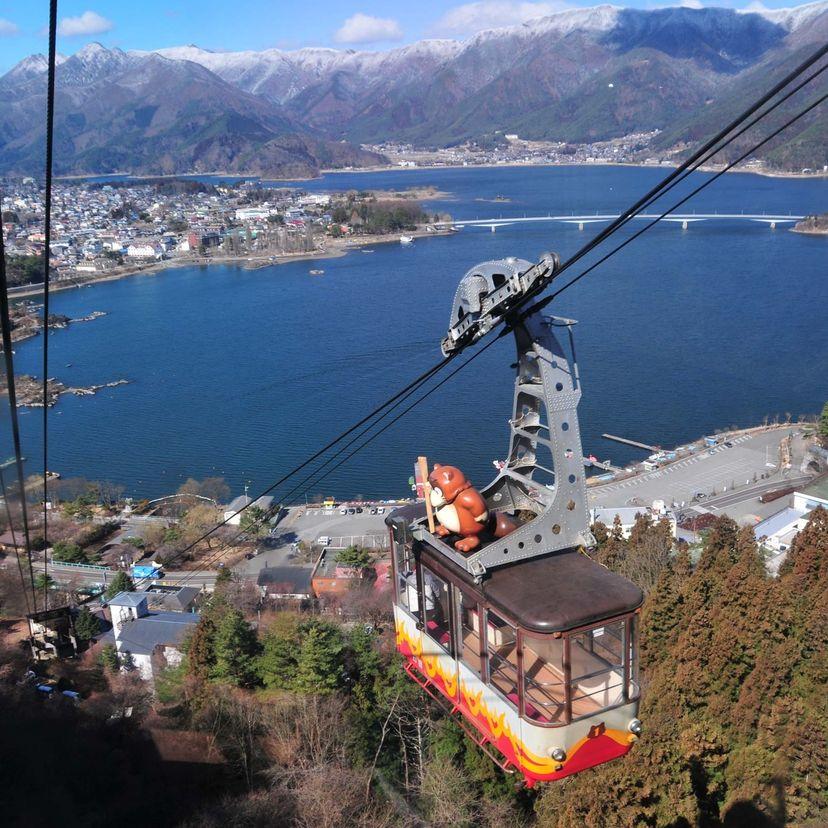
460 509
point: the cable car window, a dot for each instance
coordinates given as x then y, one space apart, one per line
404 566
544 689
633 689
596 658
501 646
437 609
470 632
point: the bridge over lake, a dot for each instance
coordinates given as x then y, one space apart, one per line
684 219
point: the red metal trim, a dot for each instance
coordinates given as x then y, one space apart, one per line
479 739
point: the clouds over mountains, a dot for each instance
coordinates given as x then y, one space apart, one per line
576 75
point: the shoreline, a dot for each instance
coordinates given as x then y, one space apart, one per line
337 250
396 168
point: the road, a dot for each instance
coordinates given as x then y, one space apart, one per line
100 575
741 466
309 524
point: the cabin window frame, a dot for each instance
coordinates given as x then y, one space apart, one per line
626 696
451 649
631 690
397 575
464 598
487 660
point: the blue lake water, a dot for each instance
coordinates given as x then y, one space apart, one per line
245 373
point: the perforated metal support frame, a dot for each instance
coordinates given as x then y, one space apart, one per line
544 430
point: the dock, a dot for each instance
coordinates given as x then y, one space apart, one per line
630 442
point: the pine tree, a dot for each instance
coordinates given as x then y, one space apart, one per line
109 658
277 664
612 553
86 625
319 667
121 582
660 618
236 649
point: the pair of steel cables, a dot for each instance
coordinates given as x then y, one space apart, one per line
363 428
738 127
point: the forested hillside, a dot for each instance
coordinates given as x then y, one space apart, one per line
316 724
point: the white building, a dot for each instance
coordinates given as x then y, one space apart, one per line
150 639
776 533
811 497
628 515
249 213
144 251
242 502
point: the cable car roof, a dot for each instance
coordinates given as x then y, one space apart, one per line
558 592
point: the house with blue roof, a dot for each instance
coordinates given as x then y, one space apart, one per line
151 639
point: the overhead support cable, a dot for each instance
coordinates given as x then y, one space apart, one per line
698 157
5 333
47 232
359 448
14 539
546 300
719 142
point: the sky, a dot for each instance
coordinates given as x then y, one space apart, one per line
284 24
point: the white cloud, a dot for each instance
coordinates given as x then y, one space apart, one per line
89 23
492 14
692 4
7 28
362 28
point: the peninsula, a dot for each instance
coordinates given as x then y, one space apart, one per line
816 225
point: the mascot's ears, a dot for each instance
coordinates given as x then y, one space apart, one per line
437 466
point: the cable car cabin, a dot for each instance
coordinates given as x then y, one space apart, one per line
497 610
541 658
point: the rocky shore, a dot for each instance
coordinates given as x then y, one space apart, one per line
815 225
29 390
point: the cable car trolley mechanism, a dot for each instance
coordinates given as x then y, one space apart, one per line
498 612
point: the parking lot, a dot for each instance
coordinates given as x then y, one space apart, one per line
311 525
741 472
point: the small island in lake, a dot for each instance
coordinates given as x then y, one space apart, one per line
817 225
29 390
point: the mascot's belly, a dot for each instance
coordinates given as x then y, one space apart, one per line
448 517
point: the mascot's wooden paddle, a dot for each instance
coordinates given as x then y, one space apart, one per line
422 463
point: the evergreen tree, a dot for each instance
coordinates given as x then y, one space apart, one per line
121 582
86 625
823 425
600 532
109 658
319 668
612 553
236 648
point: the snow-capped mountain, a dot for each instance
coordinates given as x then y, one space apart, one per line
577 75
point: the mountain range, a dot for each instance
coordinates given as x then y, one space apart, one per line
579 75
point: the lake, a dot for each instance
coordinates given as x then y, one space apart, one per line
244 373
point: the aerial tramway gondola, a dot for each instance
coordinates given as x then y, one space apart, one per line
499 612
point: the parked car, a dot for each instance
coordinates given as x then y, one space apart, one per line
700 495
373 511
359 510
343 510
728 444
380 510
351 511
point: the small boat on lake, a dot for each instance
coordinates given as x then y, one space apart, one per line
406 239
316 272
